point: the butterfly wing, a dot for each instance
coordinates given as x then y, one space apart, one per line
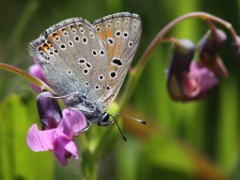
121 34
73 59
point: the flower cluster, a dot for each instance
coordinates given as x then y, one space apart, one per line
191 80
58 129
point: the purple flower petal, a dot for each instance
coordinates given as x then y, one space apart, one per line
73 122
49 111
40 140
201 79
72 149
59 149
36 71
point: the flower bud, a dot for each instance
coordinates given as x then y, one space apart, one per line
187 79
49 111
208 49
181 57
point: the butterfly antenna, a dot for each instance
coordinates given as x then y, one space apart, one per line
129 117
124 138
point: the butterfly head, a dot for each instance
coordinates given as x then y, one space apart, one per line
104 120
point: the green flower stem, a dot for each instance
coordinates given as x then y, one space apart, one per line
135 74
90 166
83 141
25 75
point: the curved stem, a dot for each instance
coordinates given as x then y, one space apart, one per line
159 37
25 75
136 72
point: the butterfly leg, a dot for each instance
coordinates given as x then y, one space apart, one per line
89 124
63 97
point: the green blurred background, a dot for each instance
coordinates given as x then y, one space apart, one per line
197 140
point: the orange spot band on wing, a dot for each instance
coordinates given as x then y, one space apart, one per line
117 45
109 33
54 35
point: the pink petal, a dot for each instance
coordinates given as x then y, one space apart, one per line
199 81
73 122
36 71
40 140
62 147
71 148
205 77
190 85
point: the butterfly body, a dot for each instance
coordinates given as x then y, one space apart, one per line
87 63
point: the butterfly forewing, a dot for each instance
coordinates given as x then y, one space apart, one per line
121 34
73 58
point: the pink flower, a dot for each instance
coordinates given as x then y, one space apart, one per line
59 139
36 71
188 80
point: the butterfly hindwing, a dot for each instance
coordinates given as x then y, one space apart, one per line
121 34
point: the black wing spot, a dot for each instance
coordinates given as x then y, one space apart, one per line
110 41
117 62
77 38
113 74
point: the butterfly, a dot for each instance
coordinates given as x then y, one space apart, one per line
86 63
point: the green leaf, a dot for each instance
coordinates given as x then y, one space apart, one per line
17 114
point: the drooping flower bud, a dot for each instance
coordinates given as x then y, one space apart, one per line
181 57
208 49
188 80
